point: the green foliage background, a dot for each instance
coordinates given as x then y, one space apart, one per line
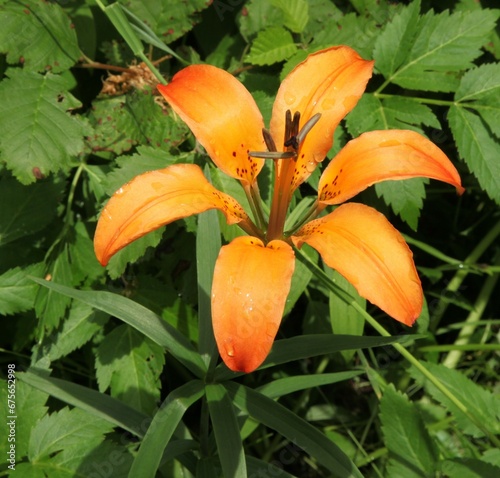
115 368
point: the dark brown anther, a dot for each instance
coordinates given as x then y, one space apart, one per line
268 139
291 130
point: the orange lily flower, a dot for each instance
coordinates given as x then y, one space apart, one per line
253 273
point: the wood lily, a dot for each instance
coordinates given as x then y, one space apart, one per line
253 273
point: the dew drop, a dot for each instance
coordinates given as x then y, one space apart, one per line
120 191
229 349
289 98
328 103
311 166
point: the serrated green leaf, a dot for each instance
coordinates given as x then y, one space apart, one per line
479 401
295 12
138 317
38 34
26 209
37 135
66 429
163 426
273 45
372 113
412 452
445 43
469 468
478 148
17 291
404 197
257 16
226 431
80 326
130 365
169 19
98 404
395 41
291 426
480 89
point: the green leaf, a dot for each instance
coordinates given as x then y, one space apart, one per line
273 45
26 210
140 318
291 426
37 135
480 89
258 15
445 43
65 429
163 426
394 43
82 324
284 386
469 468
130 365
478 148
406 198
307 346
344 318
39 35
412 452
226 430
295 13
478 401
169 19
95 403
17 291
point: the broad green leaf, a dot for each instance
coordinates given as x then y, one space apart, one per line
257 16
287 455
37 135
284 386
478 148
479 401
412 452
39 35
169 19
344 318
291 426
295 13
162 427
469 468
82 324
140 318
480 89
130 365
406 198
394 43
95 403
226 431
307 346
397 112
17 291
445 43
66 429
273 45
26 209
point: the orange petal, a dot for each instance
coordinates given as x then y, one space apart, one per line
154 199
329 82
364 247
380 155
249 291
222 115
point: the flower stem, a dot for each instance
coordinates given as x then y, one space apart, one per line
253 195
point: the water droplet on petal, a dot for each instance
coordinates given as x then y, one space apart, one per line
229 349
328 103
311 166
289 98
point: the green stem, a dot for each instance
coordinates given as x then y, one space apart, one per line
253 196
466 333
309 215
323 277
461 274
428 101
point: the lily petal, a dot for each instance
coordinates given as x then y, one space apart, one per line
329 82
380 155
154 199
249 291
222 115
361 244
